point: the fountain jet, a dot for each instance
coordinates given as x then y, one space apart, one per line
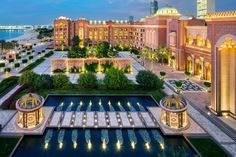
48 138
60 138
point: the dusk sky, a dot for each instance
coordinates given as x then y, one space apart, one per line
15 12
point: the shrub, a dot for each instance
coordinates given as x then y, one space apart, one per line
7 83
134 51
106 66
92 67
30 79
163 74
61 81
87 80
187 74
116 79
207 84
28 53
17 65
7 70
75 70
31 57
18 57
24 61
59 70
127 69
43 51
178 84
46 81
39 53
2 65
148 80
33 65
11 60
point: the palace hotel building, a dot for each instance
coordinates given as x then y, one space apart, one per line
205 47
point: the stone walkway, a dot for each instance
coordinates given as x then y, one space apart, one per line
8 95
5 116
223 139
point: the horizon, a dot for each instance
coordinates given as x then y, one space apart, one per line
48 10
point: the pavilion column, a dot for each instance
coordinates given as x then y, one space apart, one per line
202 68
193 65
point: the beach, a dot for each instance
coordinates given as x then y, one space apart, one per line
30 36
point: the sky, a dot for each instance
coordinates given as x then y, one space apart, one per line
17 12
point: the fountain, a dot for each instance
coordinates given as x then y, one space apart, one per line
157 136
141 108
104 138
146 138
70 106
74 137
100 102
120 107
89 106
60 138
119 139
132 138
111 107
48 138
59 108
88 139
131 108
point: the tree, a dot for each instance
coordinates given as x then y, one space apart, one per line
30 79
163 53
187 74
111 53
163 74
87 42
207 85
102 49
87 80
134 51
75 41
77 52
116 79
178 85
148 80
61 81
46 81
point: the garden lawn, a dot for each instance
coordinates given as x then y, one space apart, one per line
207 147
7 144
33 65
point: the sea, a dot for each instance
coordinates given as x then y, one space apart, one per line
10 34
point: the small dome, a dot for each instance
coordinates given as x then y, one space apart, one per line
174 102
29 101
167 11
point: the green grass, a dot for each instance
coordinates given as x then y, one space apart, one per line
7 144
33 65
207 147
7 90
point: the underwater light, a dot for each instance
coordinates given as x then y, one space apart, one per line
162 146
128 103
71 103
81 103
104 146
46 145
90 103
60 145
75 145
118 145
119 103
147 146
89 145
133 145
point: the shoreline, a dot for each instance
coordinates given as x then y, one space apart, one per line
29 36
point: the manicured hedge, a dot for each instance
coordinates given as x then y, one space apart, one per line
17 65
24 61
31 57
33 65
11 60
2 65
49 54
8 83
7 70
59 71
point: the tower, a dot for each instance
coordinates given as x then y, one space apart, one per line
153 7
204 7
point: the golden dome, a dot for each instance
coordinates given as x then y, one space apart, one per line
167 11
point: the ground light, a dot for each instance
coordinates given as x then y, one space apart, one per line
147 146
104 146
162 146
46 145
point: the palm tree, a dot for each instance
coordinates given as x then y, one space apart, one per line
163 53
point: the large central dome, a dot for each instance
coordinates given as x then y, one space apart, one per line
167 11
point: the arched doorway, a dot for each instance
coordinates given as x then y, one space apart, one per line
189 64
198 67
226 75
207 74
